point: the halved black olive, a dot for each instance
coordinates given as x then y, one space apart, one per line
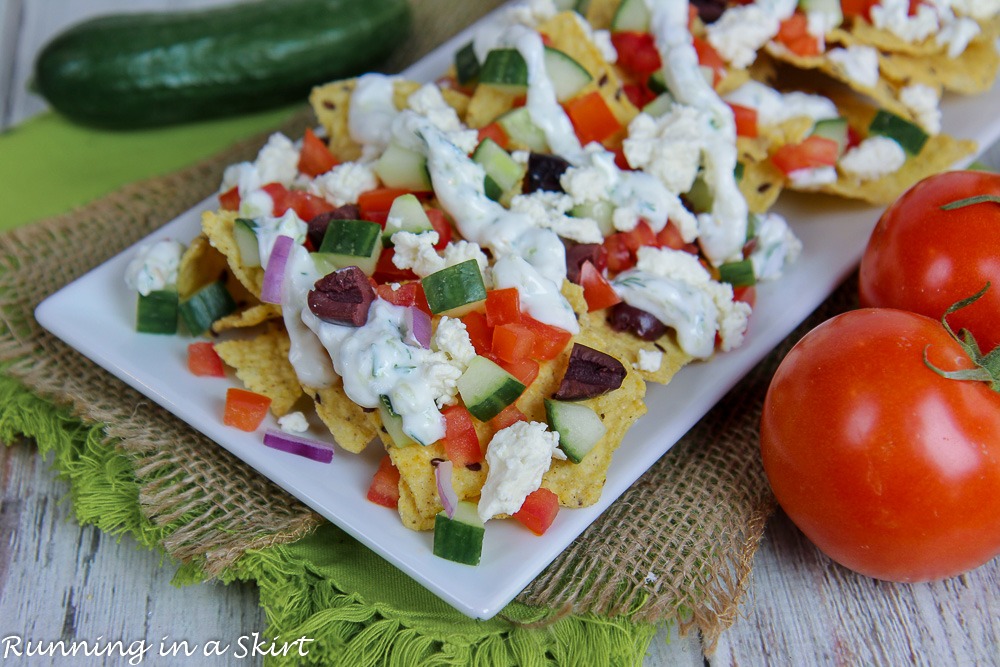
342 297
543 173
589 373
623 317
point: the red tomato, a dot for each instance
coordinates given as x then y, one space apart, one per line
384 489
549 340
441 225
709 57
813 152
387 272
923 259
746 121
636 51
512 342
538 510
525 370
204 361
857 7
597 291
315 158
230 199
591 118
496 133
244 409
885 465
305 205
461 444
480 332
503 306
509 416
793 33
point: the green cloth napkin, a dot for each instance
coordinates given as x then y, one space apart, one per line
358 609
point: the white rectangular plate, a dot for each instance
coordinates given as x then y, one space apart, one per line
95 315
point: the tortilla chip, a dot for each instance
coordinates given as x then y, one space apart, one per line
351 426
415 468
487 104
248 317
407 509
262 365
971 73
862 32
219 227
202 264
600 13
761 184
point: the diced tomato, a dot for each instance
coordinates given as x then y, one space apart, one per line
278 193
230 199
408 294
636 51
813 152
591 118
746 294
619 256
640 235
914 6
379 199
384 489
746 121
307 206
245 410
315 158
538 511
387 272
546 40
378 217
709 57
638 94
512 342
510 415
525 370
670 237
519 101
858 8
796 38
620 160
549 342
597 290
461 444
204 361
503 306
496 133
441 226
480 332
692 15
853 138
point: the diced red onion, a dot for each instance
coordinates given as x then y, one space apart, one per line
418 327
274 274
317 450
442 473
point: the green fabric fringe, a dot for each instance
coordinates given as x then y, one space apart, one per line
348 630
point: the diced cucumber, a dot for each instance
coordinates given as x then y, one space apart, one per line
246 240
582 6
660 105
500 167
506 70
699 196
753 223
491 189
402 168
157 312
601 211
487 389
825 6
738 171
393 423
466 65
568 76
578 426
832 128
908 135
657 83
406 214
738 274
210 303
349 243
632 15
519 127
460 538
455 290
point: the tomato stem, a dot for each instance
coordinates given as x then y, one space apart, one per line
969 201
987 366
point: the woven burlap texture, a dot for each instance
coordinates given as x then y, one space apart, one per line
677 546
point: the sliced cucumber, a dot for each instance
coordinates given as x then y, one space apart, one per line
201 309
632 15
753 223
156 312
349 243
568 76
660 105
832 128
402 168
582 6
246 240
406 214
831 7
487 389
466 65
506 70
455 290
500 167
738 274
657 83
578 426
491 189
460 538
908 135
601 211
521 129
699 196
393 423
738 171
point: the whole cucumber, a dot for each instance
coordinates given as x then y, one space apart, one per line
149 69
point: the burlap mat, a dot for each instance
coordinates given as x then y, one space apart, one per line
677 546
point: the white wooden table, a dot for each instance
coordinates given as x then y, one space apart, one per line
59 580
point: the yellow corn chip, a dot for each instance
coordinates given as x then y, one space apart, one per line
600 12
248 317
761 184
415 468
262 365
219 229
971 73
407 509
351 426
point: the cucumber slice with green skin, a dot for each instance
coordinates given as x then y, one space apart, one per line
349 243
737 274
632 15
402 168
210 303
602 212
156 312
406 214
578 426
568 76
753 224
491 189
466 65
521 129
460 538
506 70
246 241
660 105
582 6
657 83
738 171
699 196
832 128
487 389
498 164
392 423
455 290
908 135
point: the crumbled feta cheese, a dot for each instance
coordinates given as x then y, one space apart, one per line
277 161
670 263
957 34
894 16
457 252
820 23
154 266
441 376
517 457
977 9
740 32
548 210
668 147
774 107
521 158
430 103
649 360
922 101
416 252
532 12
625 218
452 338
873 158
776 246
293 422
585 184
811 177
344 183
859 63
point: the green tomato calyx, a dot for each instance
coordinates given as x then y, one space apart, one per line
969 201
987 366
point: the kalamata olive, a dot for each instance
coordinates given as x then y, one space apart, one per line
544 172
590 373
318 225
623 317
709 11
342 297
578 253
